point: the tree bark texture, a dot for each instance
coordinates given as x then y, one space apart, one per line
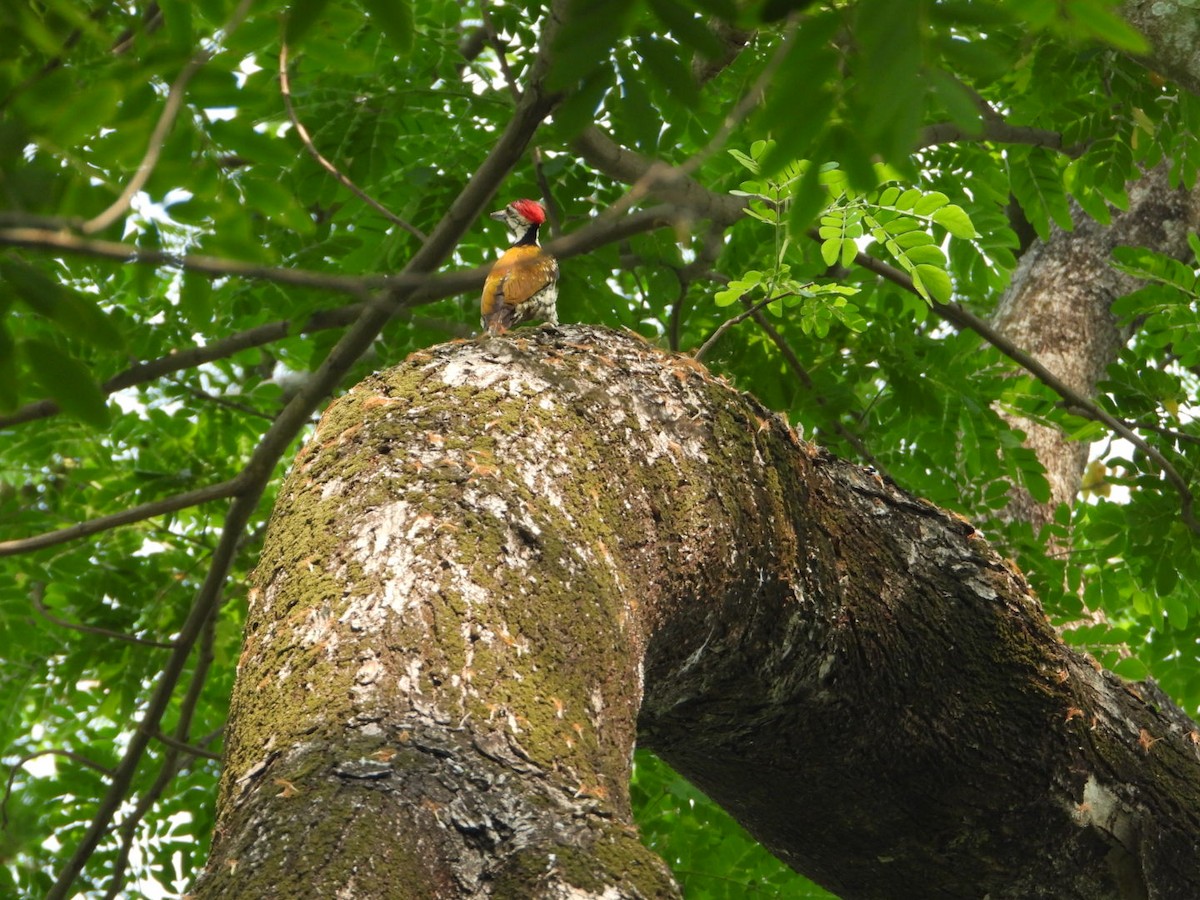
1058 310
496 565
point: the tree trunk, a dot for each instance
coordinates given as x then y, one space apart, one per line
497 563
1058 310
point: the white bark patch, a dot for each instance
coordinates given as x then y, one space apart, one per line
498 374
384 543
1101 808
334 487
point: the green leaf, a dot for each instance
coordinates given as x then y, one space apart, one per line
1194 242
75 313
929 203
584 43
933 283
1037 183
9 378
687 28
395 17
68 381
956 221
302 15
1097 17
178 16
808 198
798 102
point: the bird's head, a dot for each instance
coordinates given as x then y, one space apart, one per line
521 215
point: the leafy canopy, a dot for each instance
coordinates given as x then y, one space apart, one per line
818 137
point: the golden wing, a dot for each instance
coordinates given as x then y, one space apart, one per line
520 274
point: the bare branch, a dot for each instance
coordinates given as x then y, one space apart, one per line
801 373
183 747
285 89
162 128
46 239
996 131
172 763
124 517
38 594
493 38
222 402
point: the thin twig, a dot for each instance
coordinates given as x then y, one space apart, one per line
37 596
183 747
675 323
285 89
801 373
172 763
1163 430
29 757
729 323
493 38
221 401
125 517
996 132
552 212
162 128
216 267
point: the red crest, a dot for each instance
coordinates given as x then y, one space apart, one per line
530 210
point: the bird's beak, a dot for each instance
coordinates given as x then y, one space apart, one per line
498 215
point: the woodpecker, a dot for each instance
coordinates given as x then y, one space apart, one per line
523 284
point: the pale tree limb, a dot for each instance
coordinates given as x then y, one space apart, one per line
162 128
285 89
702 350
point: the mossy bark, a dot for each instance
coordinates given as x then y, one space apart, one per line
487 555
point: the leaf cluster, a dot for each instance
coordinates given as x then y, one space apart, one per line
930 140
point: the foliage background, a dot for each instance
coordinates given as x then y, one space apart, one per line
813 122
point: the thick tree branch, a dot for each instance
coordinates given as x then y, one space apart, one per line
744 604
